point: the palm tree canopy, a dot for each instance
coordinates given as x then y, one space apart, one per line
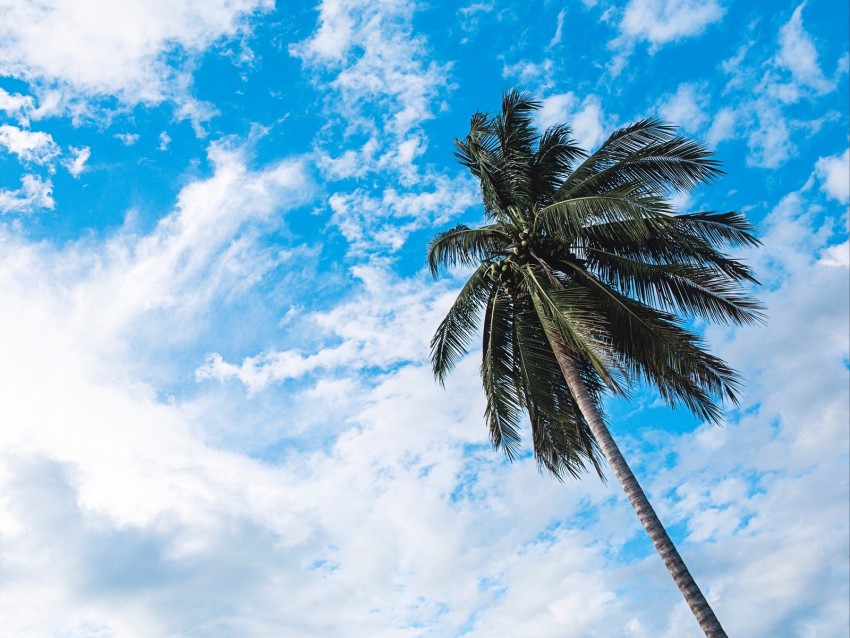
589 249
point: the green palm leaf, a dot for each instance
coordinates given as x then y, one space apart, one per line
464 246
451 341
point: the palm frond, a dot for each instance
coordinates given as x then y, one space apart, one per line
454 334
556 153
652 344
647 152
563 443
693 239
570 313
692 290
478 151
730 228
464 246
628 205
504 405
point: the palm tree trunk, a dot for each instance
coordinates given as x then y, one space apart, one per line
674 563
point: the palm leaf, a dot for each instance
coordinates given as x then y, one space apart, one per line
454 334
563 443
504 405
693 290
464 246
647 152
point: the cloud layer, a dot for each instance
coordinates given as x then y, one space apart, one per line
219 417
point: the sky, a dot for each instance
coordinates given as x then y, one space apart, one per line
218 414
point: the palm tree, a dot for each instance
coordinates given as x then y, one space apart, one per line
585 277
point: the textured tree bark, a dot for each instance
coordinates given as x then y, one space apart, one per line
674 563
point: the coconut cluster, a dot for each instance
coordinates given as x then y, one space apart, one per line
520 252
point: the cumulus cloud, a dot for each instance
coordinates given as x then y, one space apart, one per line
77 163
30 146
376 62
35 193
584 116
834 174
382 222
17 105
663 21
90 50
686 107
722 128
127 139
526 72
164 141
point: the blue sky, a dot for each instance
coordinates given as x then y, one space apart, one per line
218 415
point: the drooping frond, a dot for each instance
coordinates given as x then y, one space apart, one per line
729 229
694 239
454 334
504 404
571 314
653 345
563 443
464 246
691 290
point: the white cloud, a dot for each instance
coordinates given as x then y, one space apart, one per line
584 116
837 256
686 108
77 164
769 140
383 221
834 173
164 141
472 15
722 126
205 245
257 372
658 22
526 72
30 146
559 28
16 105
797 53
663 21
88 49
127 139
377 64
34 193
